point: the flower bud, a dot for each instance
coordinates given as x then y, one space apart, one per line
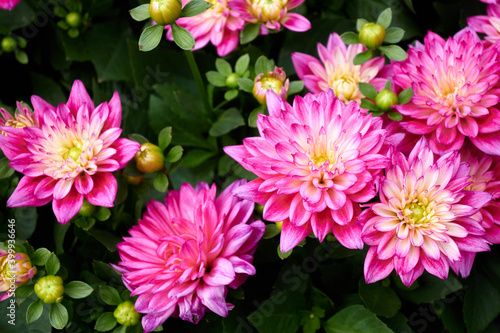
149 158
386 99
50 289
165 11
232 80
8 44
372 35
126 315
87 209
15 270
275 81
133 180
73 19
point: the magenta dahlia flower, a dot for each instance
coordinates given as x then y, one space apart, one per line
425 220
8 4
183 254
273 14
487 24
69 155
315 161
15 270
455 85
220 25
336 70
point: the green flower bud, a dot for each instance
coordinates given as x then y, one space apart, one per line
165 11
87 209
126 315
149 158
50 289
232 80
8 44
386 99
372 35
73 19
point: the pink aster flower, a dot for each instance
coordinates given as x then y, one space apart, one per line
15 270
315 161
273 14
8 4
487 24
69 155
424 220
220 25
183 254
336 70
455 86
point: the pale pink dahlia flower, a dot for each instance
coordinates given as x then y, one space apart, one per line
336 70
425 218
183 254
69 155
487 24
455 86
15 270
8 4
273 14
315 161
220 25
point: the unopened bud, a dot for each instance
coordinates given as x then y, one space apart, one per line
275 81
165 11
149 158
232 80
386 99
50 289
8 44
73 19
126 315
87 209
372 35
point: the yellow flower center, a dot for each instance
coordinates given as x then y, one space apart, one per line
320 159
417 212
271 83
5 268
268 10
345 85
217 8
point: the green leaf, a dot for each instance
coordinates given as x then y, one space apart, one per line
481 302
405 96
151 37
355 319
40 257
381 300
5 170
52 266
350 37
34 311
195 7
26 218
85 223
140 13
174 154
161 182
394 35
58 316
182 37
21 57
396 116
385 18
367 104
263 65
245 84
231 94
295 87
284 255
109 295
216 78
363 57
368 90
106 238
25 291
73 32
63 25
393 52
227 121
164 138
223 67
249 32
388 85
102 214
360 23
430 289
271 231
78 289
138 138
120 329
105 322
196 157
242 64
252 118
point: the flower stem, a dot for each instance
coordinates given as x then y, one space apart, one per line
199 83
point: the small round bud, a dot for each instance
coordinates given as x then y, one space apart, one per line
126 315
73 19
8 44
87 209
165 11
149 158
275 81
386 99
232 80
372 35
50 289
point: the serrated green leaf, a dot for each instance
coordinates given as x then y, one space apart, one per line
182 37
368 90
161 182
140 13
393 35
385 18
5 170
174 154
242 64
34 311
227 121
355 319
350 37
249 32
360 23
58 316
295 87
151 37
405 96
223 67
216 78
393 52
78 289
109 295
195 7
164 138
105 322
245 84
52 266
366 104
284 255
231 94
362 57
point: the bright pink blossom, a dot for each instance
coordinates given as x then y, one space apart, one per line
8 4
425 220
273 14
487 24
455 86
183 254
315 161
336 70
15 270
68 154
220 25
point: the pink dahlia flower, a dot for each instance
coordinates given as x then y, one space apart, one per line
15 270
220 25
336 70
183 254
487 24
455 85
425 220
315 161
69 155
273 14
8 4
